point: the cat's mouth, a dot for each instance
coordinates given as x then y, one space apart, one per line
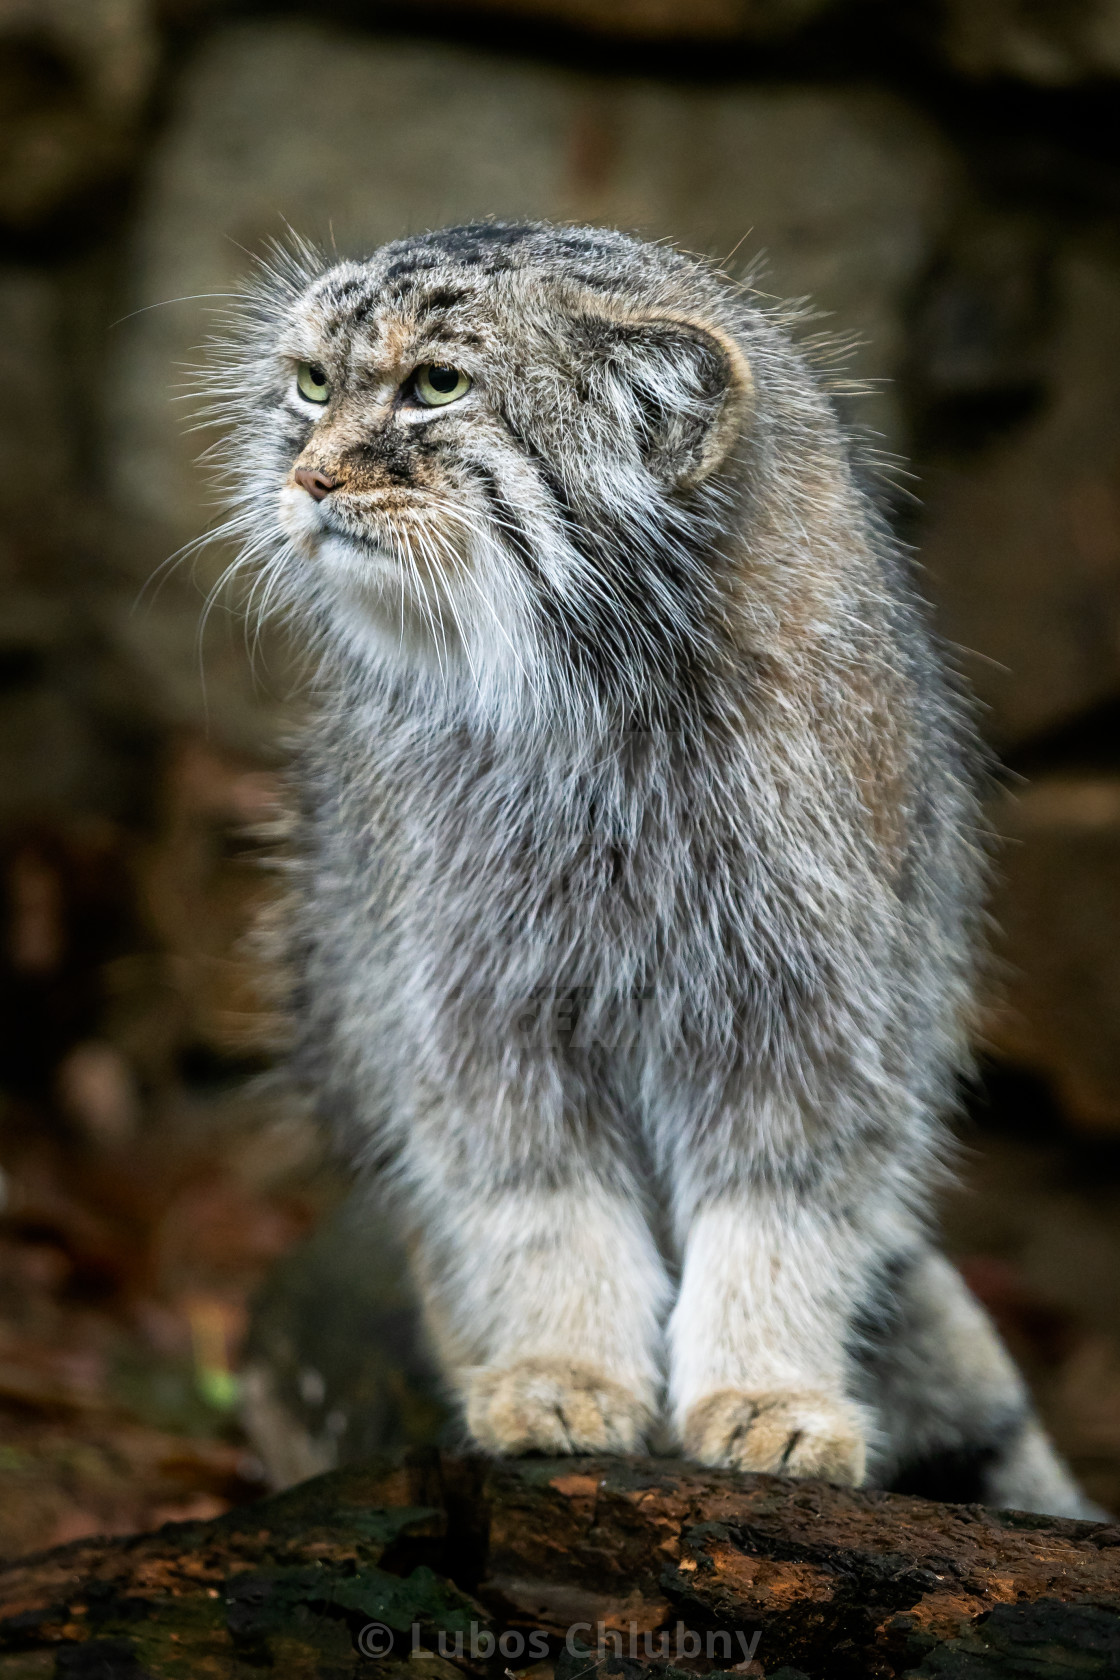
382 536
375 520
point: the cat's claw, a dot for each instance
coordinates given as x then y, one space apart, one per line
553 1406
787 1432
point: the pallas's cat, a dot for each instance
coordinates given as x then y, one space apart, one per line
638 866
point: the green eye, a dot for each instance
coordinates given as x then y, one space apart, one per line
435 385
312 382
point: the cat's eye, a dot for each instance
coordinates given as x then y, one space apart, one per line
434 384
312 382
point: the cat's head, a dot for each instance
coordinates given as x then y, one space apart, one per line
496 451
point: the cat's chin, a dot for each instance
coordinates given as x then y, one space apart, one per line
366 573
379 614
382 612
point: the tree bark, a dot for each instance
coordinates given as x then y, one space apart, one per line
593 1567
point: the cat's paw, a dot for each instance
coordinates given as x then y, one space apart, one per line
553 1406
788 1432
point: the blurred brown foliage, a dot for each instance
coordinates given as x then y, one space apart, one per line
148 1183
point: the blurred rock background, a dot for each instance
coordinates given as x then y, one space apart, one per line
192 1304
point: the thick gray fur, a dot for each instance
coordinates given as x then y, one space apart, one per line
639 856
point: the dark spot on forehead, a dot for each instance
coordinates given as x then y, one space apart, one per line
419 262
478 256
595 280
474 244
444 297
483 234
576 244
340 305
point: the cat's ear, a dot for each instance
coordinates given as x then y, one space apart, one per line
683 385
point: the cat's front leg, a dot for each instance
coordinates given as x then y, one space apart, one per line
545 1304
759 1373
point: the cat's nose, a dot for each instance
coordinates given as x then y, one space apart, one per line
317 484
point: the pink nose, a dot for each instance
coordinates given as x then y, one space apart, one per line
317 484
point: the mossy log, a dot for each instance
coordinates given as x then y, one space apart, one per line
440 1568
